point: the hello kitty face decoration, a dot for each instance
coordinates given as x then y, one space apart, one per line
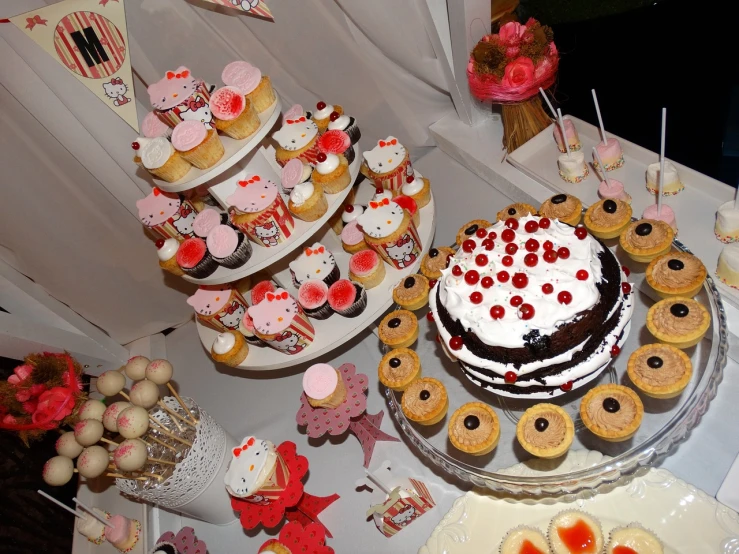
275 313
316 262
174 88
209 300
253 194
158 207
381 218
296 133
386 156
251 465
294 112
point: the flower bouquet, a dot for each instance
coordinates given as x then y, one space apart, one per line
508 69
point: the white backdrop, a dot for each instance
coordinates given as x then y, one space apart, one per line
68 219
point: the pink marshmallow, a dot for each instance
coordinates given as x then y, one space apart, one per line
610 152
320 381
667 215
615 191
572 137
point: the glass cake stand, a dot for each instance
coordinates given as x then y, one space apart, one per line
665 424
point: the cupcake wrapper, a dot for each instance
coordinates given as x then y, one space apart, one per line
395 180
225 320
300 327
309 157
275 485
203 268
391 251
353 131
254 340
239 257
350 154
169 230
332 277
359 305
172 116
321 312
276 214
420 505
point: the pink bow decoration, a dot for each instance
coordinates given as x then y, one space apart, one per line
383 144
173 75
116 81
194 104
383 202
232 307
239 449
254 179
35 20
291 121
309 252
282 296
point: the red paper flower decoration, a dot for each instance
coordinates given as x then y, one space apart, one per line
297 539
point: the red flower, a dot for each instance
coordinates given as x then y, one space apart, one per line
53 405
74 384
30 406
519 73
9 420
511 33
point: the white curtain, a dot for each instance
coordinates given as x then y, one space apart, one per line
68 218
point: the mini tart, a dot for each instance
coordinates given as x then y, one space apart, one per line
681 322
646 239
399 329
468 230
564 207
399 368
524 540
425 401
516 211
676 274
633 538
659 370
545 431
607 219
575 531
435 260
474 429
612 412
412 293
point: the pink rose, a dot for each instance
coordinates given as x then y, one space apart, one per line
9 420
512 51
518 73
30 406
542 68
20 374
53 405
511 33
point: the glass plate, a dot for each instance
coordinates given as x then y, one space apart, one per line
666 422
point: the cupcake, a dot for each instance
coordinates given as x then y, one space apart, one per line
524 540
313 298
352 238
572 167
389 231
153 127
515 211
338 143
410 206
346 123
260 290
219 307
195 260
229 348
351 212
671 184
659 370
417 187
613 190
234 113
474 429
607 219
563 207
388 164
207 220
425 401
575 531
471 228
200 146
323 386
435 260
681 322
297 138
315 262
399 329
399 368
293 173
664 213
246 328
167 252
412 293
243 285
332 173
573 139
676 274
633 538
545 431
228 246
159 158
646 239
258 210
346 298
179 96
321 117
167 215
611 153
281 323
612 412
367 268
249 80
307 201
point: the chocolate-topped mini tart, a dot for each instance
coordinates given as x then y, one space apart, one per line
564 207
545 430
607 219
516 211
659 370
676 274
646 239
679 321
612 412
436 259
412 293
399 329
469 229
425 401
399 368
474 429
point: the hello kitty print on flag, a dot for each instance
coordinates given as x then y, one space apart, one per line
388 164
179 96
89 38
281 323
255 8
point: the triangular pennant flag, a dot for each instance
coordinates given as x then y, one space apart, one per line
90 39
250 7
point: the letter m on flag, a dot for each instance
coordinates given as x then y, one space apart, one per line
89 46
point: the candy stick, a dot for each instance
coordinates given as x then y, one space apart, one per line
124 395
172 448
736 198
377 481
171 412
154 475
100 518
600 118
162 405
107 441
661 163
163 431
61 505
121 476
160 461
546 99
562 126
602 167
177 396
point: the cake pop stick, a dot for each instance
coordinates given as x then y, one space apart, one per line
108 441
160 372
160 461
546 99
174 414
110 383
602 167
600 118
121 476
562 126
159 429
661 163
61 505
91 512
172 448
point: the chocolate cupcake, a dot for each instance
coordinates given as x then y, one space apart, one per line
313 298
347 298
228 246
195 260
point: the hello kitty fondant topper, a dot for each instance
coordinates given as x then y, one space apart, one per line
209 300
316 262
253 194
294 112
386 156
275 313
242 75
251 465
157 207
381 218
296 133
175 87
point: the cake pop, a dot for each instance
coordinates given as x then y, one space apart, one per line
92 409
110 417
93 461
67 445
88 432
145 394
133 422
159 372
136 367
58 471
110 383
130 455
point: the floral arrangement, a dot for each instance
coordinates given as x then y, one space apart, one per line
42 394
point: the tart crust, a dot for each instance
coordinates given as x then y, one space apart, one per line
660 312
646 254
398 378
521 208
404 334
425 411
462 236
596 222
415 297
658 275
481 440
549 209
620 393
550 412
431 267
639 371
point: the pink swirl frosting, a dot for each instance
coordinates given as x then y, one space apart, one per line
292 173
319 381
241 75
351 234
188 134
153 127
227 103
222 241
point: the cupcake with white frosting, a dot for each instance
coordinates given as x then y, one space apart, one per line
307 201
159 158
229 348
321 117
167 252
417 187
332 173
343 122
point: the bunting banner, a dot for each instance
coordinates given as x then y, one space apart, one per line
90 39
251 7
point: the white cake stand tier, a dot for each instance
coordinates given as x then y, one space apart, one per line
336 330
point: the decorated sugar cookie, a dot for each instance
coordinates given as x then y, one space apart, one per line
253 194
242 75
316 262
274 313
296 133
381 218
172 89
251 465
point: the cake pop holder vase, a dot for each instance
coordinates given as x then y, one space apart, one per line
350 416
195 485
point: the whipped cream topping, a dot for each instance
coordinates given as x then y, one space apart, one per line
168 250
340 124
301 193
224 343
329 165
414 186
358 210
324 113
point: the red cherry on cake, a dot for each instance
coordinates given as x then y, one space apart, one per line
471 277
503 276
457 271
455 343
481 260
438 338
334 116
567 386
508 235
626 270
520 280
516 301
548 245
563 252
486 282
510 377
159 243
511 223
550 256
531 226
625 288
488 244
615 350
475 297
544 223
135 145
493 235
531 260
321 157
469 245
481 233
507 261
497 311
526 311
532 245
581 275
321 105
581 232
511 248
430 316
564 297
432 283
348 208
547 288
